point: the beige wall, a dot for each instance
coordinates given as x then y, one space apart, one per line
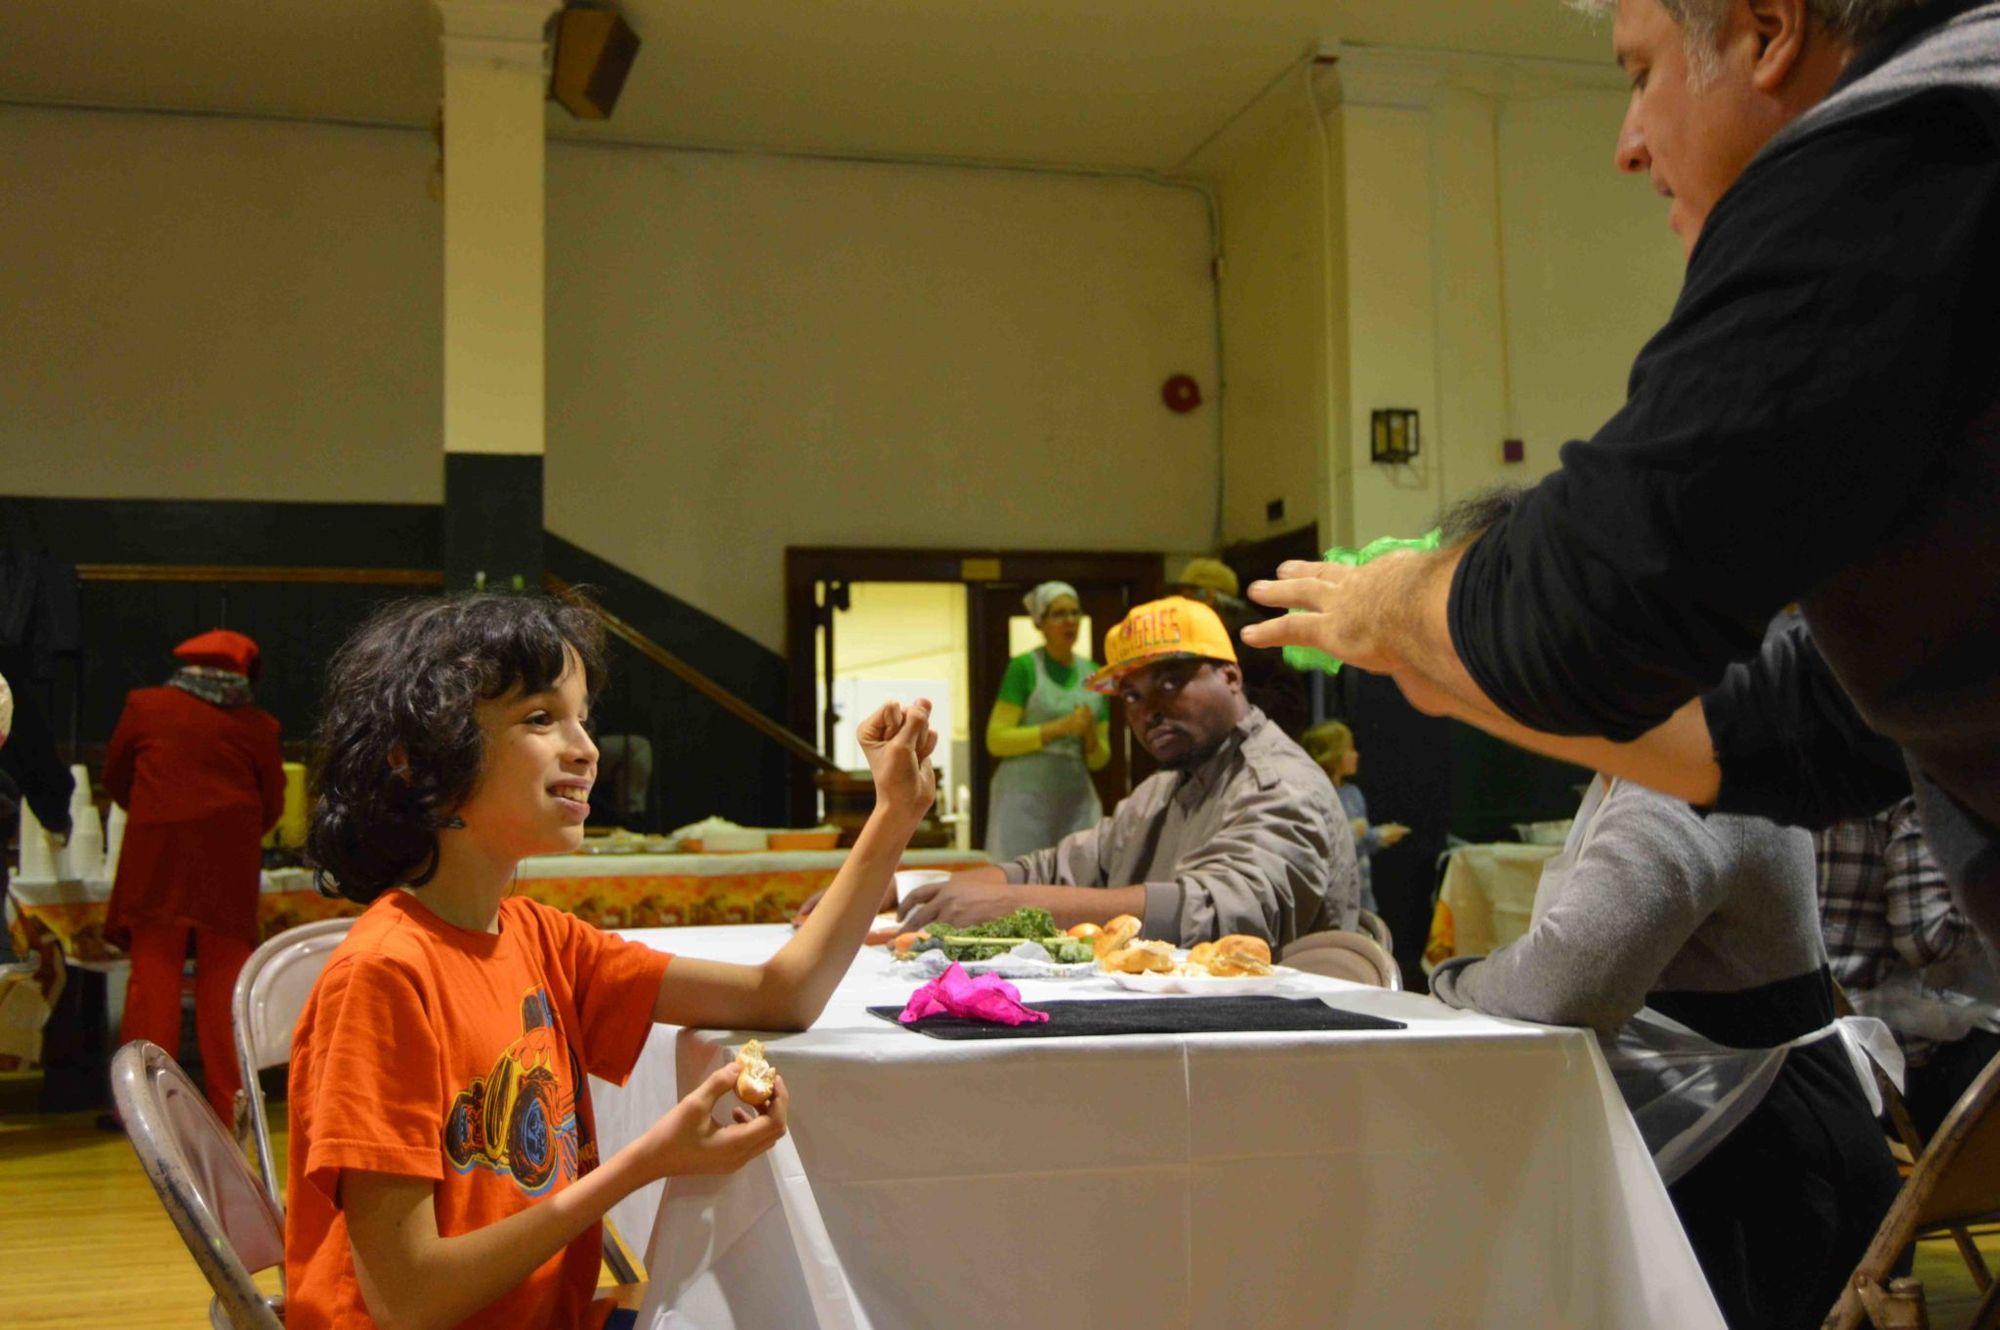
1273 200
1487 267
1591 269
749 353
743 352
203 308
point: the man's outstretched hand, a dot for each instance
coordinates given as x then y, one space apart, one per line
1371 617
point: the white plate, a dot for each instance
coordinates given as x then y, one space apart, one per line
1205 985
1007 967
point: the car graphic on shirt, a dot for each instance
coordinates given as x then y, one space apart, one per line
520 1119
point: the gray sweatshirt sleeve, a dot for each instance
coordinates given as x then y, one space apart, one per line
1651 874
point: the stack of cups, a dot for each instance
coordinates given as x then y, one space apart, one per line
114 841
86 833
38 860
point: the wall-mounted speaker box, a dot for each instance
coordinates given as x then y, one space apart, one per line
594 52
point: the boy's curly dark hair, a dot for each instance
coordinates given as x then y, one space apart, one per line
403 687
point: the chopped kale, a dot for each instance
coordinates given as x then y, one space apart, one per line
983 942
1023 925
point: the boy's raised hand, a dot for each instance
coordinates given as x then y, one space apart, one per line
898 743
687 1139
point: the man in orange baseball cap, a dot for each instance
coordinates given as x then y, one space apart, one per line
1172 629
1238 833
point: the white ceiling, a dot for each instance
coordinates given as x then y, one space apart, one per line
1129 84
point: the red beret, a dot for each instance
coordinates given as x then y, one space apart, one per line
221 649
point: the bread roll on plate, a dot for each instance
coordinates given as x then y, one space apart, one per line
1239 954
1144 957
1115 935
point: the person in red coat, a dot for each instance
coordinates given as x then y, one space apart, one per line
198 770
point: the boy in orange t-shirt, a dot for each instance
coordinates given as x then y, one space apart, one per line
444 1163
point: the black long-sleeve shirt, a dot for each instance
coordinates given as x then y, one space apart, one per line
1817 422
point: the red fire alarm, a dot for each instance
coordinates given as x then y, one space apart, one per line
1181 394
1513 450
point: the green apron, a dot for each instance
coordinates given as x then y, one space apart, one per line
1038 798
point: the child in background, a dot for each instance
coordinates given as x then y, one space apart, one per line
444 1164
1331 744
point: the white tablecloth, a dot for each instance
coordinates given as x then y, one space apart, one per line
1462 1172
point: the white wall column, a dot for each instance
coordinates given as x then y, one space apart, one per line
495 83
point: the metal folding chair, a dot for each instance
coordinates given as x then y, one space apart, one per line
1372 924
1342 955
228 1221
271 991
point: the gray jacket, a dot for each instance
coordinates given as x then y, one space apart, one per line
1251 841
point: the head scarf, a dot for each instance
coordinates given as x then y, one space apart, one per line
1210 575
225 688
1045 595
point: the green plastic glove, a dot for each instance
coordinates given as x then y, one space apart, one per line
1312 658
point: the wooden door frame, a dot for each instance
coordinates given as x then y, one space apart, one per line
808 566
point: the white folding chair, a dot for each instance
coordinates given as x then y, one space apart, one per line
270 993
1342 955
228 1221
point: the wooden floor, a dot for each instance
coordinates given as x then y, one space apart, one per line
84 1242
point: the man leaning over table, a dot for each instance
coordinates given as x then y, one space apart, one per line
1818 421
1238 833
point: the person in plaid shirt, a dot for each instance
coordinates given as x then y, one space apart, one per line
1905 953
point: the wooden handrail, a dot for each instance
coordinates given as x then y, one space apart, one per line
695 679
432 578
192 572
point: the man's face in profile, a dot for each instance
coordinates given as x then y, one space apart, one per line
1182 710
1692 126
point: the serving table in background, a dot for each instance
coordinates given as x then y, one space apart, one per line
609 890
1485 899
1461 1172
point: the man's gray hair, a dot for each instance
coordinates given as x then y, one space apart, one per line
1851 21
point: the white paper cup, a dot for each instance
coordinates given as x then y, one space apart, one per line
910 879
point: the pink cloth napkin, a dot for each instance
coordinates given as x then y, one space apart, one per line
986 997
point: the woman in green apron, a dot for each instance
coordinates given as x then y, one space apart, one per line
1049 732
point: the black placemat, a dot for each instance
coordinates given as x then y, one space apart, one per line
1165 1015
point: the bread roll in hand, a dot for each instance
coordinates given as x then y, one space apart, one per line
756 1078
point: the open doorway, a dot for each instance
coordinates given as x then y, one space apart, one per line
899 641
840 645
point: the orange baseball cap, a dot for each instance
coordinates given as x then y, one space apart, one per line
1171 629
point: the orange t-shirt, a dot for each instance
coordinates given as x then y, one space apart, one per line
433 1051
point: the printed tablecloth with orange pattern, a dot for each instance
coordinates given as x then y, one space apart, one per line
610 891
